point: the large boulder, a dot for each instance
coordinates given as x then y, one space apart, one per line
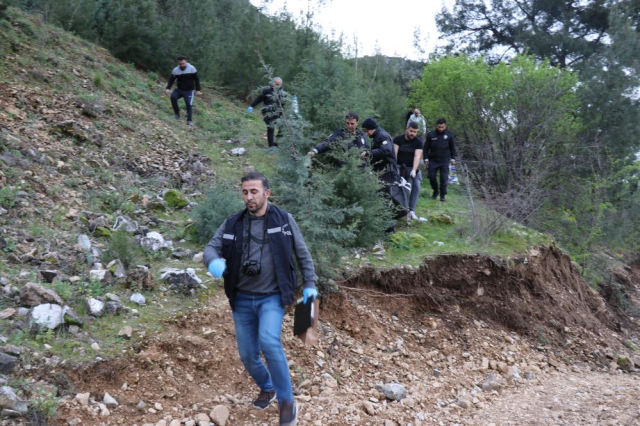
47 315
183 281
95 307
140 277
7 362
154 241
10 401
84 243
101 275
126 225
32 294
49 275
117 269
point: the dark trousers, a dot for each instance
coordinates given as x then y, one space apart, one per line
432 173
188 96
272 125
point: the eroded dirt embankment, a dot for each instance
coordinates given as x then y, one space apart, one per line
528 323
541 295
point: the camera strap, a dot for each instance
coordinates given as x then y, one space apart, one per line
250 237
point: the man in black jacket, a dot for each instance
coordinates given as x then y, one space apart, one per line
383 159
346 138
273 100
439 151
188 86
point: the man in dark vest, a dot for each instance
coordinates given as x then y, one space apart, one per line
439 152
253 250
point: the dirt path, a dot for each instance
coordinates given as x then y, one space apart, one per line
365 341
568 398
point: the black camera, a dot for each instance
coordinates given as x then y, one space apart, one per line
251 268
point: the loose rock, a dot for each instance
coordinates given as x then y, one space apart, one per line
32 294
219 415
393 391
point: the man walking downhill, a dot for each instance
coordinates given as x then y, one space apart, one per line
273 101
439 151
417 118
345 138
188 86
383 159
408 149
253 250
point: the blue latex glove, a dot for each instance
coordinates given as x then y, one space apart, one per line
217 267
308 294
249 110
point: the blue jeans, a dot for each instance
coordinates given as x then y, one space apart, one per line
258 321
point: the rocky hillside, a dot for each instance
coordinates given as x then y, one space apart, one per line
106 316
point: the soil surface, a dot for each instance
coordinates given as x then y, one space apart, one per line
464 356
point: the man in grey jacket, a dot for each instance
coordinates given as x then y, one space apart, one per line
253 250
418 118
188 86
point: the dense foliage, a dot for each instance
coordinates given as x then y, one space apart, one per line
585 121
228 41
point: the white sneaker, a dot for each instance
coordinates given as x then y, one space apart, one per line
412 216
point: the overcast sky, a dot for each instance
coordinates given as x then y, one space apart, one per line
387 25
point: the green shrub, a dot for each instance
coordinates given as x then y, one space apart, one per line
63 288
7 198
219 202
175 199
43 406
99 82
126 124
358 192
123 247
95 288
128 208
400 240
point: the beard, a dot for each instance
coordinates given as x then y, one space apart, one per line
254 207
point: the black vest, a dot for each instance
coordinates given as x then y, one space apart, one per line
281 241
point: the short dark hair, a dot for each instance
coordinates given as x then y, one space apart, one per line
256 176
413 125
352 116
441 121
182 58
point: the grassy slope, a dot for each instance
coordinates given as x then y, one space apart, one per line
140 119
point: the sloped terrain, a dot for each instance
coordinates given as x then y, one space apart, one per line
88 142
458 365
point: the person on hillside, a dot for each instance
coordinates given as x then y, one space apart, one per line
411 111
273 101
439 152
383 159
253 250
345 138
408 149
188 86
383 162
417 118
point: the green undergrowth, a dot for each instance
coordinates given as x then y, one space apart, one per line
445 238
161 309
